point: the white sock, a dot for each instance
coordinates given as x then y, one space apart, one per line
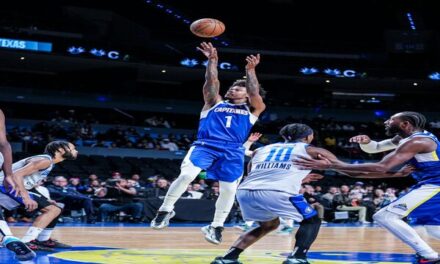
224 202
188 172
32 234
249 223
45 234
286 222
5 230
404 232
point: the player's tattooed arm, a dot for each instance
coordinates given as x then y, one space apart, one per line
252 84
211 87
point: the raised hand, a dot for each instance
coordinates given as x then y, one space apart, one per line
361 139
252 61
254 137
208 50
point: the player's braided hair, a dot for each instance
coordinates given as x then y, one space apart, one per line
414 118
54 146
294 132
242 83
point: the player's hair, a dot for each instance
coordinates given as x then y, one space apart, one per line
414 118
52 147
242 83
296 131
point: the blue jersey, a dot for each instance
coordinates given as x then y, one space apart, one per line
427 164
226 122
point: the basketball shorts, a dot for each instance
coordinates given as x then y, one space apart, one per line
10 202
265 205
421 205
222 161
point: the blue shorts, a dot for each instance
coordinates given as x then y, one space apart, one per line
222 161
421 205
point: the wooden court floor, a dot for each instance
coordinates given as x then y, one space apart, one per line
189 240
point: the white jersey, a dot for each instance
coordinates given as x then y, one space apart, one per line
273 169
30 181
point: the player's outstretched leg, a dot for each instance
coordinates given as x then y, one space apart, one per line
187 174
394 223
225 201
246 240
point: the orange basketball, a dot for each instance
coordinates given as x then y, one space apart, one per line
207 27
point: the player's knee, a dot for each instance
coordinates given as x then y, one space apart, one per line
383 216
270 226
55 210
228 188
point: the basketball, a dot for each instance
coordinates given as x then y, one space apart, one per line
207 27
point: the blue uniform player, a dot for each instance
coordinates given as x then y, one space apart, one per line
224 127
421 150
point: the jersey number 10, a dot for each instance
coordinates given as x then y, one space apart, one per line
279 154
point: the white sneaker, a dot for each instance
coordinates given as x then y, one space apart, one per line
162 219
213 234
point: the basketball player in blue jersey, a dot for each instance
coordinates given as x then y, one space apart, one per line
223 128
22 252
28 173
420 149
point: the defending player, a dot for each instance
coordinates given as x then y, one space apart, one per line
223 128
27 174
420 149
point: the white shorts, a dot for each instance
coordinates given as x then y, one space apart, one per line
265 205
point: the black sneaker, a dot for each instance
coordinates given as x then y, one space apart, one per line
422 260
21 250
295 261
162 219
51 243
36 247
221 260
213 234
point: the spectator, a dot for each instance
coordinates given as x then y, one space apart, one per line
344 202
71 198
123 195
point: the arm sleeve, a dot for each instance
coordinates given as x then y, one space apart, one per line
376 147
247 145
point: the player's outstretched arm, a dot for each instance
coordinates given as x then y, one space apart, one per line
392 160
211 87
327 159
253 86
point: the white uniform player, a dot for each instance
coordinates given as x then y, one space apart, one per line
271 190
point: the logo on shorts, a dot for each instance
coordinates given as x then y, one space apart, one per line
401 206
308 210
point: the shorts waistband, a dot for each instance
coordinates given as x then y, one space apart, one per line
217 143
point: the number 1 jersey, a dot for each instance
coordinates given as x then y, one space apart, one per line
226 122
